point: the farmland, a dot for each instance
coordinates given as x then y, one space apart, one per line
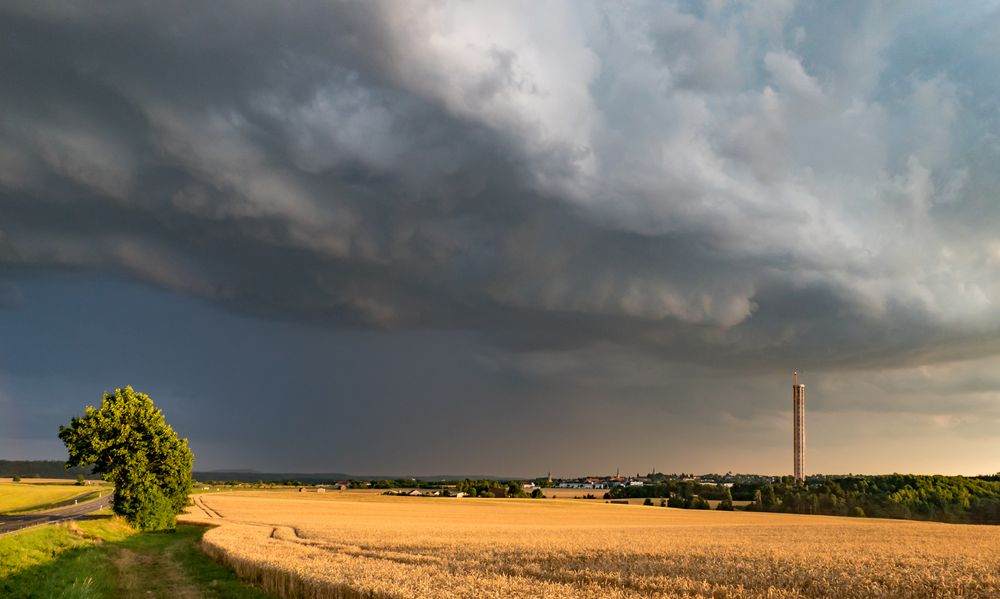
22 496
351 545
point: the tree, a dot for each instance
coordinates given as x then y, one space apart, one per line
727 502
79 480
130 445
770 500
648 501
537 493
515 489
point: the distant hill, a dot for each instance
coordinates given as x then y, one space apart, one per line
252 476
56 469
312 478
42 469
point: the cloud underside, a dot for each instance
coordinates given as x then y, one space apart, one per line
744 186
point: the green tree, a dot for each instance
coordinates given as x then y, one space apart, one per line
727 501
537 493
79 480
648 501
130 445
770 500
515 489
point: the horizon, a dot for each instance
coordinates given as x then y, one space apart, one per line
492 236
452 476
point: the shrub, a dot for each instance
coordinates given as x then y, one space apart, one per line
156 513
648 501
698 502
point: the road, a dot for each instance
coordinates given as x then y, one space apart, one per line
10 524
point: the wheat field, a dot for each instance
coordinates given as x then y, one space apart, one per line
354 545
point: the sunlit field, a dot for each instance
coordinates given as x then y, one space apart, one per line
22 496
352 545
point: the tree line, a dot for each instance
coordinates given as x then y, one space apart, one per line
908 496
957 499
494 488
44 469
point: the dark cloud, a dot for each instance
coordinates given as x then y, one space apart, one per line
391 166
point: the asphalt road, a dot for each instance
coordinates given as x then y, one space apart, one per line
10 524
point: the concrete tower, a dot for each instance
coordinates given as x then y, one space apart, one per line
799 426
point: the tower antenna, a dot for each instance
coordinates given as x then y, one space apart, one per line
798 427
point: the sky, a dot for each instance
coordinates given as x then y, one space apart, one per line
507 238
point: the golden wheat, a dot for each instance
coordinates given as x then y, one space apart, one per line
352 545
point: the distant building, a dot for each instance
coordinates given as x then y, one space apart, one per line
798 427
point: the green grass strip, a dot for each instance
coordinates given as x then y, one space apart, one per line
105 558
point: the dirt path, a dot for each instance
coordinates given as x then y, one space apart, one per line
149 575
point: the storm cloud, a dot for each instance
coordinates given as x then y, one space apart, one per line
580 187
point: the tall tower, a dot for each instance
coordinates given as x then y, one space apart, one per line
799 426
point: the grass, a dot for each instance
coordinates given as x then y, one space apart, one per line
105 558
38 546
348 545
21 497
